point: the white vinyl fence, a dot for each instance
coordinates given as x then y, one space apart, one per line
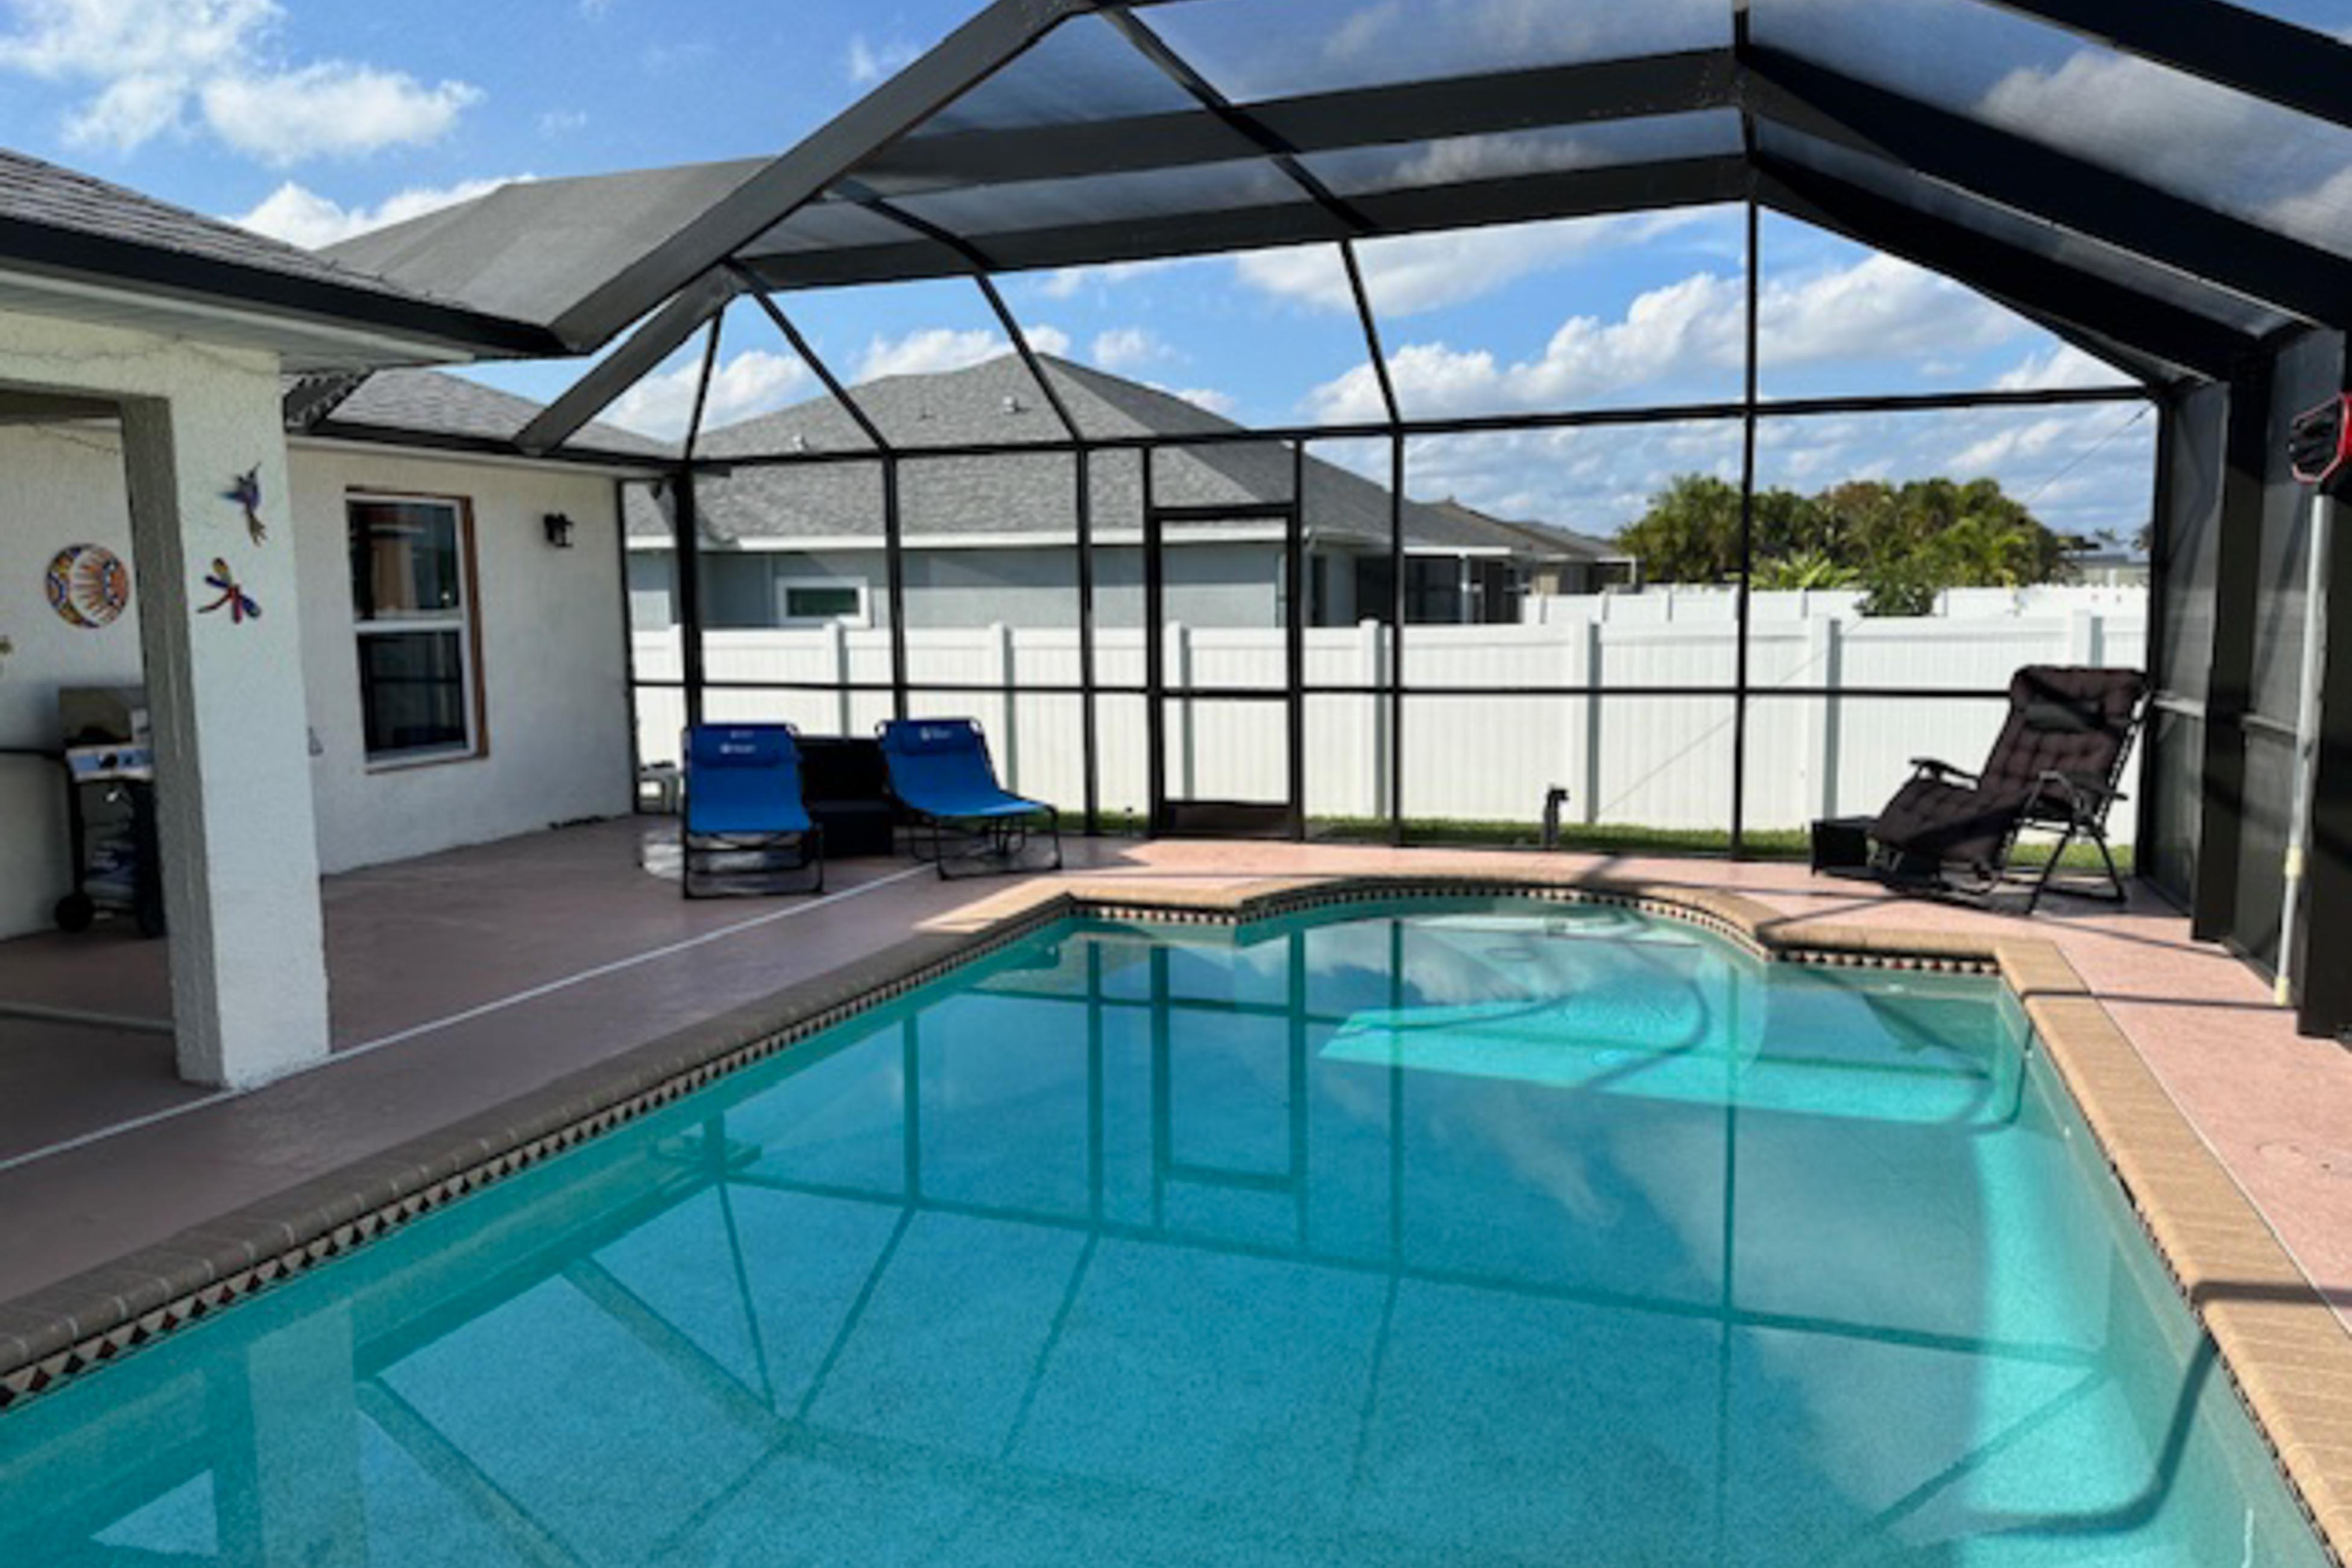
1635 758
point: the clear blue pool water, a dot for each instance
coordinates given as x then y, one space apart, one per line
1461 1233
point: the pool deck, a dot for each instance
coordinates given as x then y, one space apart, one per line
470 980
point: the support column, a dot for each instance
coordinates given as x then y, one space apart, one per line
2324 1007
232 756
2229 682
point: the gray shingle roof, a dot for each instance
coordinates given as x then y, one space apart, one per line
61 222
34 192
1547 541
435 403
998 402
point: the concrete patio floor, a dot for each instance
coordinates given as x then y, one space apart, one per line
464 980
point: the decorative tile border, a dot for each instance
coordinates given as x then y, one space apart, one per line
2288 1356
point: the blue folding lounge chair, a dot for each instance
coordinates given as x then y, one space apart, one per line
942 775
746 828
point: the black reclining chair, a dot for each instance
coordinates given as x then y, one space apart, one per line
2055 767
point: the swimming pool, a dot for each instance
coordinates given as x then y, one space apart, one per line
1466 1231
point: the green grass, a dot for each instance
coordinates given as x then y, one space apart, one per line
1762 843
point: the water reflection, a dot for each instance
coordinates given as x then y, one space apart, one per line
1486 1235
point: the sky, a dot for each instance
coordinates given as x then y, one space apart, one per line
312 119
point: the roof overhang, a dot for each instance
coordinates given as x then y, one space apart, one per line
310 323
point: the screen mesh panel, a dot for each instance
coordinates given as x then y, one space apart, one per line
1454 160
1250 50
2092 257
2225 149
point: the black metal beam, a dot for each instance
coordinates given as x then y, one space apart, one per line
685 527
1477 425
702 387
1294 649
1089 732
2229 674
696 302
2157 639
1399 600
1371 327
816 362
2054 185
2167 332
1745 606
1155 659
1637 187
966 57
894 573
1485 105
2273 59
2324 1006
1029 361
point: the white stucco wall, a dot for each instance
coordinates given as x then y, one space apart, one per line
553 656
240 875
554 652
63 486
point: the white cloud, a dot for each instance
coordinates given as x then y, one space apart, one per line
1412 274
754 381
1129 348
333 109
869 63
927 352
932 351
1068 282
2060 365
2086 470
150 64
300 216
1217 402
562 121
1877 309
2036 440
117 39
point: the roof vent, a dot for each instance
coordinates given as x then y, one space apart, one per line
799 442
1012 402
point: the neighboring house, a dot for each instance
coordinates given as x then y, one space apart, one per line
988 539
2109 563
1559 560
460 677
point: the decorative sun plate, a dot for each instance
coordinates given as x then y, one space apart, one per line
88 585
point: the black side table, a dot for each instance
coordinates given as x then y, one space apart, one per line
1841 846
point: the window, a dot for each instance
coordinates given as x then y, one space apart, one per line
816 601
413 605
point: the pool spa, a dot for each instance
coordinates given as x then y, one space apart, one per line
1472 1230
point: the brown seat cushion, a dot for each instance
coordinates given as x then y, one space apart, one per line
2073 721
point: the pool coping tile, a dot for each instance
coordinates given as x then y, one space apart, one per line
2287 1356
